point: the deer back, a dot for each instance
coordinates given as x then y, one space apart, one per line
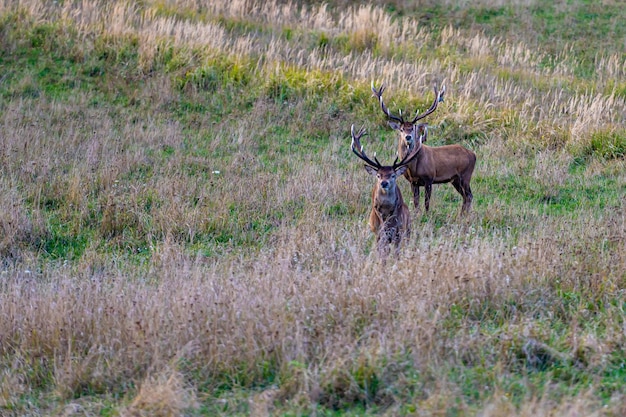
441 163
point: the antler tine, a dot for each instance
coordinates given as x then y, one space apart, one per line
438 98
407 158
357 138
379 94
356 144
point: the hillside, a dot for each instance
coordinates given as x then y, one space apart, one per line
183 227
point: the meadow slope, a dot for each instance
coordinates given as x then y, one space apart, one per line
183 228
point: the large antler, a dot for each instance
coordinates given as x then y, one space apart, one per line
358 150
433 107
379 93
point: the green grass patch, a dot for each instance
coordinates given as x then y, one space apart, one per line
147 210
608 145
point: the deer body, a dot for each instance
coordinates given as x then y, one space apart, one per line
432 165
390 218
439 165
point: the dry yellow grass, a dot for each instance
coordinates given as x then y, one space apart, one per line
311 299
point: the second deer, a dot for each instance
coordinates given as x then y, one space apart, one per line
432 165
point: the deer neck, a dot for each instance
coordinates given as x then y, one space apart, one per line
387 204
404 150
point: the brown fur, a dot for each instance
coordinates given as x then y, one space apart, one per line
438 165
432 165
390 219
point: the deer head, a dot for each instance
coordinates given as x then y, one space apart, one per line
408 129
386 174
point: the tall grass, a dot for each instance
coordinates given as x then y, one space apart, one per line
183 228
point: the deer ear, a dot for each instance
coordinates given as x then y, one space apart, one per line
370 170
394 125
401 170
424 133
420 132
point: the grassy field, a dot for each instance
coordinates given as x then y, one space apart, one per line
183 228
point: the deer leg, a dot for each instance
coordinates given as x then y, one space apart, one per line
458 185
398 236
467 197
429 190
397 249
383 244
416 195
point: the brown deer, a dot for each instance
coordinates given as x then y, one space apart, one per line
433 165
390 219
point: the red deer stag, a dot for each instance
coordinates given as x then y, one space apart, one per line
433 165
390 219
